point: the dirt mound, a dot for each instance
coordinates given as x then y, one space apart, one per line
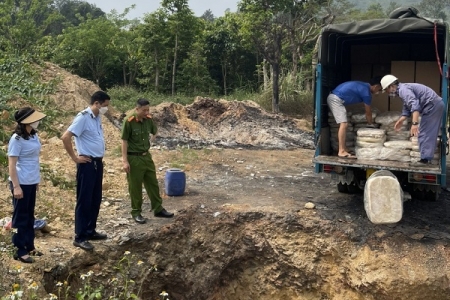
228 124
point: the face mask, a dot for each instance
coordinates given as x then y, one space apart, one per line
34 125
102 110
392 94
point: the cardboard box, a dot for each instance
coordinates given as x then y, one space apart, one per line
380 102
405 72
427 73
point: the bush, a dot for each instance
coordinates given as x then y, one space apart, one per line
124 98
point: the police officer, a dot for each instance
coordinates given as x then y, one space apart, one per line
138 162
89 141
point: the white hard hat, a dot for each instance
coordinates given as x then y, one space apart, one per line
387 81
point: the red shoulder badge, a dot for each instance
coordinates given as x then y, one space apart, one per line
130 118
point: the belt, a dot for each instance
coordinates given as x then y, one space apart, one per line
93 158
137 153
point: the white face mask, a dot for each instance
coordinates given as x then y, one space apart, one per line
392 94
102 110
34 125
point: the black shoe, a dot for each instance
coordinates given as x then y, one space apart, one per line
97 236
140 219
164 214
423 163
85 245
27 260
35 253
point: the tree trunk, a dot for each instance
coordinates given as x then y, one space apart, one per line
133 74
224 76
174 67
156 71
265 74
275 88
124 73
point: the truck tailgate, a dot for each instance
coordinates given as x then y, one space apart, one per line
374 164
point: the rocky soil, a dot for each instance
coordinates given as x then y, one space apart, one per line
255 222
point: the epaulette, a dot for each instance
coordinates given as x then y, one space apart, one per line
148 116
17 137
130 118
84 112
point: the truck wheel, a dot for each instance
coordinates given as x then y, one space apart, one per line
353 188
342 188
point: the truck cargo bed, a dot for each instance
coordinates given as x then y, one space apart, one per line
374 164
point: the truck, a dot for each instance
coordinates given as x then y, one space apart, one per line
414 49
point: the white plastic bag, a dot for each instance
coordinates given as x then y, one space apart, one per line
368 153
371 132
395 154
399 145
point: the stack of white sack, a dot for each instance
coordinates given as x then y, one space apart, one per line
415 151
369 142
360 121
387 120
396 150
334 128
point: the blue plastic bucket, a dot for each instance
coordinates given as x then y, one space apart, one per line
175 182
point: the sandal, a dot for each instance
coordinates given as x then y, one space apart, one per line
35 253
27 260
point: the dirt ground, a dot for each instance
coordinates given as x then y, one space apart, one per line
255 221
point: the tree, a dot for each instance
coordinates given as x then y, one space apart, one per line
183 26
221 44
154 35
75 11
194 74
434 8
208 16
88 49
266 24
23 23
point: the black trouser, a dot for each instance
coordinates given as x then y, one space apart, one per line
89 197
23 219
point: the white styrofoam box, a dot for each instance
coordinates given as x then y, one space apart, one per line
383 198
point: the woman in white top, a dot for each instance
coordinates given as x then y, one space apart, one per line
24 177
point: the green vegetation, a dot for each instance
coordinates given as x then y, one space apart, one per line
123 286
56 179
20 79
172 55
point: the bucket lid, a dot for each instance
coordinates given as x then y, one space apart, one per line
174 170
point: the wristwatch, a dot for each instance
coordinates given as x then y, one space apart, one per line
415 123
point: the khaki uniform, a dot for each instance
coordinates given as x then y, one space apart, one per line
142 168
